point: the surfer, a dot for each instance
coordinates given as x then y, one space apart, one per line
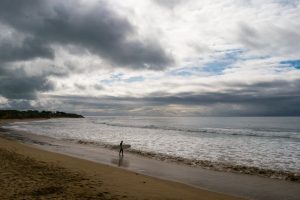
121 148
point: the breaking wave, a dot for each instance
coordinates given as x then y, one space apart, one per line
226 131
206 164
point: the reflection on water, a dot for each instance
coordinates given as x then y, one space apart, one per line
121 161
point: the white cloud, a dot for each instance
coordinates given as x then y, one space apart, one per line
3 100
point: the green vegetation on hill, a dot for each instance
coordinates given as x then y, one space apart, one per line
15 114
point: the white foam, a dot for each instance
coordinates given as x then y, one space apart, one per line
265 147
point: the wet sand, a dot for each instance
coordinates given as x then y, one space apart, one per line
205 164
27 172
251 187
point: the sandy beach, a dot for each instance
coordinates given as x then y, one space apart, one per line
40 167
31 173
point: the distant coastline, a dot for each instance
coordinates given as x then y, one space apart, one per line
31 114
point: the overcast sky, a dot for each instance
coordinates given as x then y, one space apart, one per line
151 57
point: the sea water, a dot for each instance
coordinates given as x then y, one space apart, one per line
264 142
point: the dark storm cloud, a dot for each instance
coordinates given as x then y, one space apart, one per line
278 98
18 104
29 49
16 84
98 29
247 104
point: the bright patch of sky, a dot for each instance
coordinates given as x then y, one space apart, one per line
292 63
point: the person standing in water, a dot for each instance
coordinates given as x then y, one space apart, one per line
121 148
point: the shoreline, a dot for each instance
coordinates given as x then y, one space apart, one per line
81 179
205 164
253 187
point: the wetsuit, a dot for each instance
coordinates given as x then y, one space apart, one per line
121 148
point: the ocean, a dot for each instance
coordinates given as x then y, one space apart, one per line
263 142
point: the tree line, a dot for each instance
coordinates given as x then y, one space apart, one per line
16 114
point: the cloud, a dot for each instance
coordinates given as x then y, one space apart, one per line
267 39
168 3
96 28
221 57
16 84
29 49
277 98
